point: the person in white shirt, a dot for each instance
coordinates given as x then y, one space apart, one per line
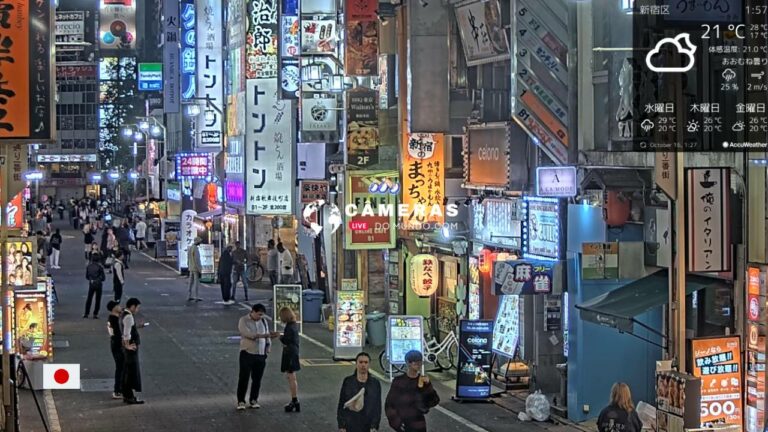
141 231
286 264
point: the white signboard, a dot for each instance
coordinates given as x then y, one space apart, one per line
269 150
310 160
206 258
210 73
482 32
506 329
708 210
319 113
70 26
188 234
67 158
560 181
172 88
117 25
541 228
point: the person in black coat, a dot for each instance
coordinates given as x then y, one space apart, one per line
116 346
349 415
225 274
94 273
289 363
620 414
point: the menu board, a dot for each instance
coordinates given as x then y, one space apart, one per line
473 379
170 233
405 333
287 295
473 293
32 325
507 326
20 264
717 361
350 320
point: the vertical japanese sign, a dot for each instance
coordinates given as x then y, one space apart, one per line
188 69
16 156
482 32
188 234
423 178
665 173
210 73
117 25
361 54
524 277
14 212
362 127
235 92
708 209
269 150
261 39
371 217
717 361
172 89
26 94
290 47
541 228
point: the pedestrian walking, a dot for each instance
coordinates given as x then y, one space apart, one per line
239 261
56 241
131 342
620 414
141 233
118 275
410 397
195 269
286 264
359 407
273 262
289 363
225 274
88 240
254 347
116 346
94 274
124 242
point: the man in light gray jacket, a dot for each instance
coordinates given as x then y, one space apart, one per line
195 268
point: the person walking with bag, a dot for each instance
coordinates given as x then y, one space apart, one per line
225 275
94 273
359 407
289 363
410 397
620 415
116 346
195 268
254 347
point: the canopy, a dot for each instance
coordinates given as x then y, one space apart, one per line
618 308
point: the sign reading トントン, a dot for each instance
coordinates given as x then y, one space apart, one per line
210 73
26 70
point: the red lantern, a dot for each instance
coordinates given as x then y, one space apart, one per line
485 261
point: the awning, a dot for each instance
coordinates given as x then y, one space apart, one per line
214 213
618 308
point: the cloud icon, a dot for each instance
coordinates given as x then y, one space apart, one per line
688 50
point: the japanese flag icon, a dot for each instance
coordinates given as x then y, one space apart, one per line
61 376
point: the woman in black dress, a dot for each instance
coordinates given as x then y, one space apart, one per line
290 360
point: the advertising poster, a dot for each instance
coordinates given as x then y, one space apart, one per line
600 260
541 228
171 234
365 228
21 264
206 259
405 333
473 377
27 71
506 333
488 159
524 277
423 178
117 25
261 39
210 70
188 233
708 207
290 49
482 32
290 296
473 291
350 323
70 26
269 150
15 212
318 36
362 127
361 56
717 361
32 326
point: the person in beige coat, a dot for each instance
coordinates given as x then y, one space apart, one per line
195 268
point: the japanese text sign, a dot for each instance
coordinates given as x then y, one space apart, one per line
26 70
717 361
708 210
188 235
70 26
194 165
312 191
269 149
425 274
541 228
404 333
261 39
188 53
423 177
523 277
370 230
362 127
210 73
171 60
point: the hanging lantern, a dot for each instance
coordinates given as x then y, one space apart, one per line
484 261
425 274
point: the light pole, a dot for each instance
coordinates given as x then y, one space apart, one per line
155 129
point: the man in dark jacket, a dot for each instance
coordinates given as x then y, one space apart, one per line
225 274
350 416
240 259
410 397
94 273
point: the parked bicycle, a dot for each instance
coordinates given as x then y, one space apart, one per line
443 354
255 270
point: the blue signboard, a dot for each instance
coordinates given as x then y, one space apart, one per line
150 76
473 377
188 57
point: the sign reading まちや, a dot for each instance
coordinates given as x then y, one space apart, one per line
708 206
541 228
423 178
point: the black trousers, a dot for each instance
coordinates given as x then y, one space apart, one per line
251 366
225 280
119 357
117 287
93 288
131 374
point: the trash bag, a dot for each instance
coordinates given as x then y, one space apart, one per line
537 406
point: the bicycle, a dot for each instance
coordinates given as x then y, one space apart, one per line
255 270
441 354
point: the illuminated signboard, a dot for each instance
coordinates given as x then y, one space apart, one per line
404 333
67 158
261 39
194 165
423 178
718 361
117 24
541 228
188 41
210 73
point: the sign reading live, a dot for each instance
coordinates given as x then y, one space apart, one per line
361 53
709 228
366 229
423 178
26 94
473 376
717 361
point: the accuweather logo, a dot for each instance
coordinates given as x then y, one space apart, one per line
677 42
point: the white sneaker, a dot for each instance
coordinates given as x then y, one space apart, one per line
240 406
255 405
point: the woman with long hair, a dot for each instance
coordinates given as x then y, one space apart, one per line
289 363
620 415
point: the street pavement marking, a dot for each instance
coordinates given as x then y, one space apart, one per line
53 414
324 362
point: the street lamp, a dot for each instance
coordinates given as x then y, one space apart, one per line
95 178
127 132
156 131
35 176
138 136
144 125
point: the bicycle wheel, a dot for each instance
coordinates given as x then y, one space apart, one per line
255 273
446 359
20 378
384 363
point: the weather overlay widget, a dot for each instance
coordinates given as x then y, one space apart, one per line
696 79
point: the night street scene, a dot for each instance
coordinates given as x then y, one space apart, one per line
383 215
